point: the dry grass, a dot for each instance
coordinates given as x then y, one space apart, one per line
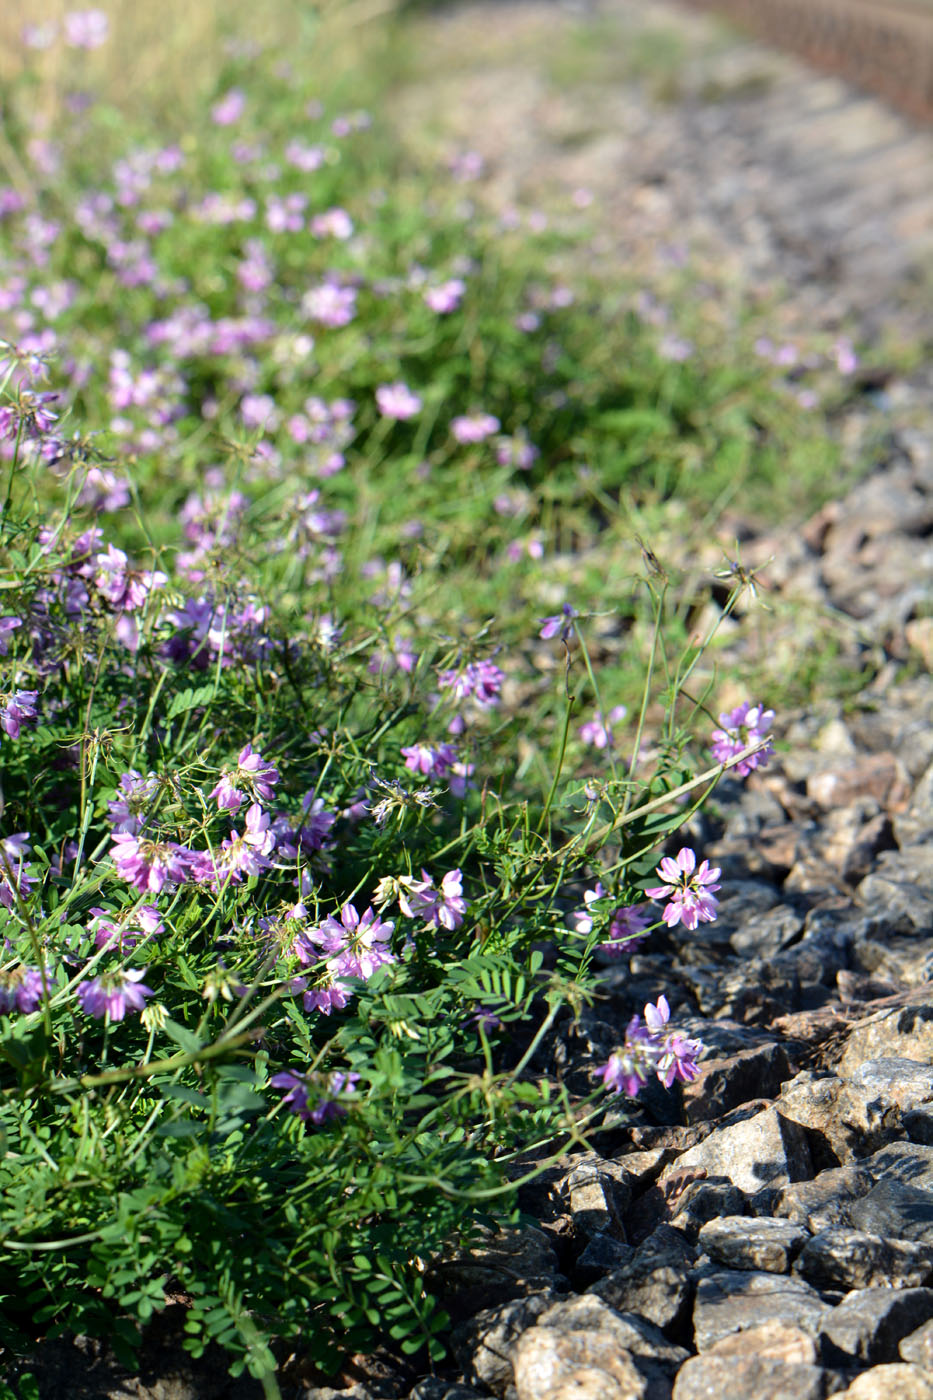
165 58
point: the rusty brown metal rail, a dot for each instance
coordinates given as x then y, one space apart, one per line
885 46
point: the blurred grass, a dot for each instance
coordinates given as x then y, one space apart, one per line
163 60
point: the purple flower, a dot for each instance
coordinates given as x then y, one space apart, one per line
124 589
741 727
475 428
86 29
112 994
651 1049
229 109
561 623
357 943
8 625
689 890
399 657
150 865
15 881
247 854
627 926
629 1068
480 681
433 760
20 987
16 707
317 1098
122 934
397 401
598 732
627 923
327 993
439 908
445 298
126 810
254 772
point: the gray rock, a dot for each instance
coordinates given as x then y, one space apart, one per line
602 1255
768 932
817 1101
654 1284
909 1162
763 1150
915 823
918 1125
822 1203
918 1347
703 1201
769 1246
731 1301
504 1264
892 1208
587 1349
842 1258
725 1083
868 1326
592 1203
710 1377
483 1344
896 1379
903 1032
899 887
879 1090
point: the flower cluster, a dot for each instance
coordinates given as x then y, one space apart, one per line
626 925
746 724
689 890
651 1049
316 1098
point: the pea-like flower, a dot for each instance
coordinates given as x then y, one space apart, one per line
689 890
112 994
741 727
20 988
317 1098
650 1049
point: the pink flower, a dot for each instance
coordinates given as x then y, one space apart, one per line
333 222
397 401
330 304
20 987
741 727
439 908
254 773
86 29
359 942
150 865
474 428
689 890
446 297
432 760
15 708
598 731
229 109
112 994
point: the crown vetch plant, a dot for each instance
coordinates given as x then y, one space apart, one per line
288 812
